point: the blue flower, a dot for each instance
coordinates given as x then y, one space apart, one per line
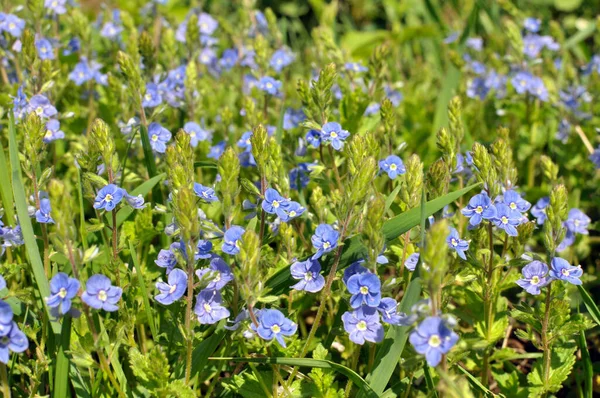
539 210
109 197
14 341
207 56
229 58
209 308
111 30
137 202
203 249
532 24
159 136
205 193
242 316
299 176
433 339
13 25
393 166
595 157
292 210
42 215
388 308
217 150
332 132
41 106
207 24
309 274
44 48
166 259
578 222
292 118
231 238
220 272
562 270
174 289
281 58
100 294
152 98
533 44
451 38
356 67
480 207
274 203
412 261
272 324
507 219
365 289
56 6
568 240
81 74
475 43
269 85
363 324
2 280
53 131
62 290
72 46
534 277
6 318
515 202
314 137
354 269
564 130
19 102
324 240
196 133
457 244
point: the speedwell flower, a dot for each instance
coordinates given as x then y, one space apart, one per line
62 290
332 132
457 244
480 208
561 269
109 197
174 289
272 324
324 240
363 324
101 294
433 339
534 277
393 166
308 273
365 289
209 308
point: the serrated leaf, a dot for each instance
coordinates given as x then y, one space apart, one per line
561 364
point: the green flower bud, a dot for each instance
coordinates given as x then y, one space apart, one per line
102 140
411 194
549 168
319 204
438 179
373 223
132 73
455 120
28 51
446 143
249 256
557 212
192 33
486 172
435 256
148 53
168 48
229 170
504 163
259 141
34 130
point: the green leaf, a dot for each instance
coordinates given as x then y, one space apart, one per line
203 351
476 383
142 282
580 36
588 370
561 364
567 5
589 304
150 163
389 352
310 363
205 164
61 372
5 189
353 250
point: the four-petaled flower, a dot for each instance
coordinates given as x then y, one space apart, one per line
158 136
209 308
324 240
515 202
109 197
42 215
100 294
63 289
274 203
174 289
308 273
561 269
152 98
411 261
220 272
393 166
269 85
273 324
578 222
6 318
432 338
534 277
507 219
231 238
457 244
388 308
480 207
205 193
332 132
363 324
14 341
539 210
365 289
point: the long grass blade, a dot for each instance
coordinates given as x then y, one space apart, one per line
5 189
589 304
142 282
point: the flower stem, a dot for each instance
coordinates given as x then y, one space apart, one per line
545 342
585 140
4 379
488 305
188 320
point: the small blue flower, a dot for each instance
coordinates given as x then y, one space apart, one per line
388 308
111 30
292 210
203 249
309 274
42 215
159 136
451 38
217 150
324 240
53 131
292 118
2 280
109 197
19 102
332 132
281 58
515 202
209 307
6 318
231 238
568 240
242 316
365 289
363 324
564 130
62 290
82 73
578 222
412 261
166 259
480 207
14 341
354 269
507 219
72 46
137 202
274 203
534 277
207 57
314 137
562 270
13 25
269 85
457 244
229 58
196 133
207 194
299 176
56 6
532 24
475 43
44 48
41 106
272 324
393 166
100 294
220 272
595 157
433 339
539 210
356 67
207 24
152 98
174 289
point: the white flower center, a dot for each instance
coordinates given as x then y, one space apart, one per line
364 290
535 280
102 296
454 242
62 293
435 341
172 289
576 222
275 329
393 166
207 307
479 210
504 220
154 137
362 325
334 134
39 110
269 86
308 276
48 134
292 213
326 245
108 198
275 204
148 97
513 205
565 272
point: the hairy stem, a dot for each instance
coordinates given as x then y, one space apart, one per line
545 341
188 320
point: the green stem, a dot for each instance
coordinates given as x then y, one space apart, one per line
545 341
188 319
4 379
488 305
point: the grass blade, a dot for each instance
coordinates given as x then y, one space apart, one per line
389 353
6 190
476 383
310 363
150 164
202 352
61 375
589 304
142 282
588 370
